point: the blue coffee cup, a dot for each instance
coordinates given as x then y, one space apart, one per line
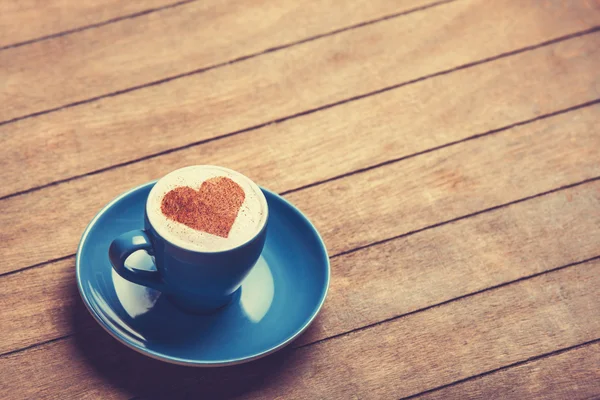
196 281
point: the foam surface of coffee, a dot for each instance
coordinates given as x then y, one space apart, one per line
250 219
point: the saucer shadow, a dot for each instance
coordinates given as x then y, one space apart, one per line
142 376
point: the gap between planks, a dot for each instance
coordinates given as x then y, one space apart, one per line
237 60
503 368
325 107
95 25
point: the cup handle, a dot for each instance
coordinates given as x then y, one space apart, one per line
127 244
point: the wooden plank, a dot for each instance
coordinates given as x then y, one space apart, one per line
436 265
454 181
453 260
390 360
52 295
167 43
25 20
573 375
434 187
147 121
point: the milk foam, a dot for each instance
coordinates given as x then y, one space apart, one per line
250 219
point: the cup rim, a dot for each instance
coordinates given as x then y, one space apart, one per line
181 244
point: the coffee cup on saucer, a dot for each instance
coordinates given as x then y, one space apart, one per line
205 228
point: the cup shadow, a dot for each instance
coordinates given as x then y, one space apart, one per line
139 375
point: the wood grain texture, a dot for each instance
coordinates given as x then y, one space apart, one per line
391 360
170 42
25 20
454 181
447 152
573 375
401 197
372 284
114 130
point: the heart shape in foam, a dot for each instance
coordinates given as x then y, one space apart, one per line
212 209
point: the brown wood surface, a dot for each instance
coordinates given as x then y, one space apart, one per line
573 375
522 87
173 41
447 151
276 85
24 21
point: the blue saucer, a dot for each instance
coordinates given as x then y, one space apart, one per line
278 300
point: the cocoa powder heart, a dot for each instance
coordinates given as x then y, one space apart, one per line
211 209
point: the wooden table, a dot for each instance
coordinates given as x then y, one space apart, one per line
448 152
